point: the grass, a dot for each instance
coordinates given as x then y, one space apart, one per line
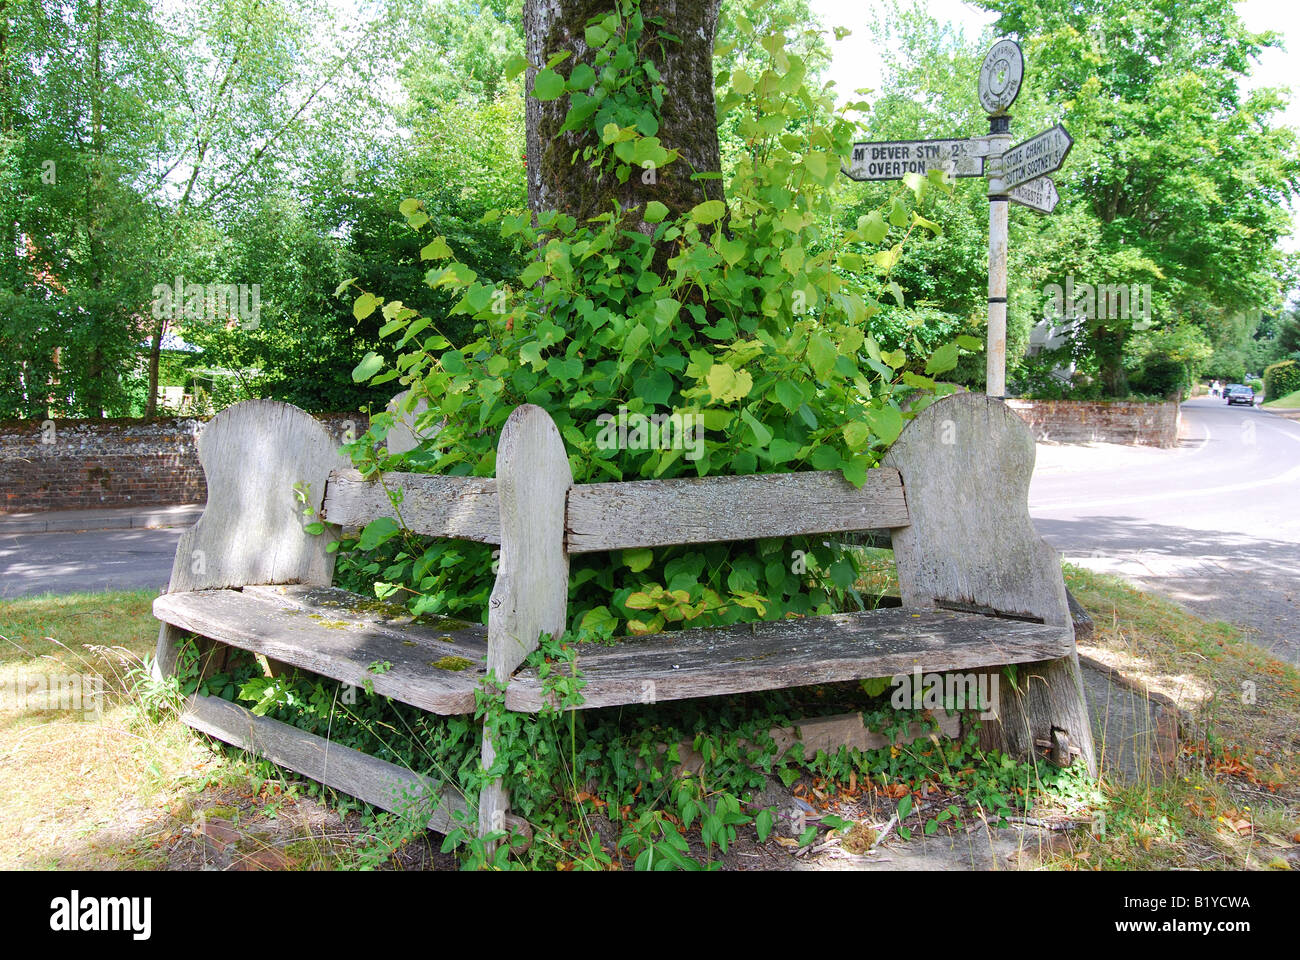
119 790
115 788
1234 800
1290 401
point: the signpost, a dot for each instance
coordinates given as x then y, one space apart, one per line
1036 156
1014 174
1037 195
891 159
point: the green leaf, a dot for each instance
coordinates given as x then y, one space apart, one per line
856 434
582 77
377 532
825 458
515 65
638 560
920 221
817 164
435 249
886 423
709 211
727 384
762 435
872 227
945 358
365 305
654 212
821 355
598 620
370 365
789 395
547 85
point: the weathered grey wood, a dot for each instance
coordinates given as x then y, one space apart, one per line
334 603
377 782
463 508
826 734
405 434
431 668
251 530
654 513
531 593
966 462
792 653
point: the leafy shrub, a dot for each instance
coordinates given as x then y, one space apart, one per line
1281 378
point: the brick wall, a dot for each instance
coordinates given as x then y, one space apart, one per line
1078 421
80 464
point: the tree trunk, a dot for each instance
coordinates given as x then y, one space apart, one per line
1110 357
95 372
687 119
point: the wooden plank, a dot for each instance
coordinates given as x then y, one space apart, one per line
335 603
656 513
531 593
251 530
342 648
966 461
377 782
463 508
799 652
828 734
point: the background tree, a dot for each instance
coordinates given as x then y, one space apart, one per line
1184 177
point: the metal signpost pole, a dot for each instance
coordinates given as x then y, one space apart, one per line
1000 78
995 360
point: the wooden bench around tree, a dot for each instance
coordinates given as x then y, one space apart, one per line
979 588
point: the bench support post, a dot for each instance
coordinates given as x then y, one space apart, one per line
531 594
966 462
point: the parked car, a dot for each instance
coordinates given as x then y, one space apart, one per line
1240 394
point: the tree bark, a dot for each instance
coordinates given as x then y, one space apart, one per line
687 119
1110 357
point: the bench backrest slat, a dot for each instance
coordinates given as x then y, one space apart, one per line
659 513
638 513
462 508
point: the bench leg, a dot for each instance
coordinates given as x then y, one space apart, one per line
1044 715
494 801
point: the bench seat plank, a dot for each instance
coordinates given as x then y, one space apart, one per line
337 634
798 652
658 513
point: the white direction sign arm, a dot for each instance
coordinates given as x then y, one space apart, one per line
1036 157
890 160
1039 194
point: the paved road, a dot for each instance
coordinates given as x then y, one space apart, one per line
1214 524
84 562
